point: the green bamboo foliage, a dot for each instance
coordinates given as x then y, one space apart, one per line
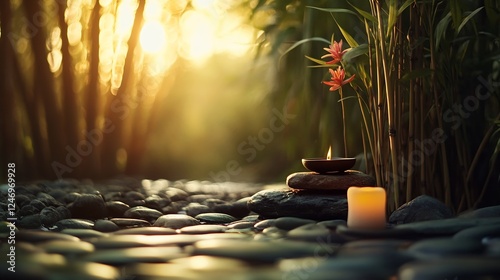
416 64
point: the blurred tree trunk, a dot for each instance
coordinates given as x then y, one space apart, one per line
120 105
92 103
8 124
70 107
44 91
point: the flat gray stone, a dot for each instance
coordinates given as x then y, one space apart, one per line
202 229
439 247
144 213
452 268
39 236
265 224
146 231
135 255
74 223
479 233
307 204
289 223
446 227
315 181
65 247
175 221
105 226
128 222
215 218
486 212
83 233
257 251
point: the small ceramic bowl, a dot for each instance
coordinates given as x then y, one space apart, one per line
323 165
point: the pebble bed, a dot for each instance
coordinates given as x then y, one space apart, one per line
129 229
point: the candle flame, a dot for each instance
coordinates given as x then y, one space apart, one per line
329 154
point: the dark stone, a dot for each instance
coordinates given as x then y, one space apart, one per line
452 268
446 227
333 224
156 202
422 208
64 212
311 232
241 225
144 213
289 223
133 195
71 197
236 209
486 212
146 231
88 206
31 221
215 218
439 247
116 208
307 204
176 194
203 229
83 233
127 222
35 236
120 257
22 200
315 181
105 226
65 247
255 251
49 216
194 208
478 233
48 200
175 221
74 223
265 224
28 210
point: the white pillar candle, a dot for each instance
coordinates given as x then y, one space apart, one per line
366 207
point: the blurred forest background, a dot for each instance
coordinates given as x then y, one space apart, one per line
162 89
219 89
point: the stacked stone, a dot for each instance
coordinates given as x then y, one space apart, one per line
310 195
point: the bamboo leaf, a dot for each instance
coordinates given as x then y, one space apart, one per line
355 52
456 13
441 28
404 6
333 10
345 98
467 18
303 41
462 50
393 15
349 39
319 61
364 14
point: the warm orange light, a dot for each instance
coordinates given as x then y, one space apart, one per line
329 154
366 207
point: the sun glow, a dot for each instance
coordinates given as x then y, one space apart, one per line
152 37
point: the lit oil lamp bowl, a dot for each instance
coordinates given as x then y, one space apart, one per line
328 164
323 165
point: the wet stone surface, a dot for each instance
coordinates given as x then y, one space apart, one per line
199 230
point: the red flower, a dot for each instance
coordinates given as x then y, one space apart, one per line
338 79
335 51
